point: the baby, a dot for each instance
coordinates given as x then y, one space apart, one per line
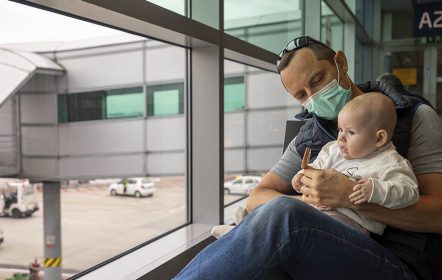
364 153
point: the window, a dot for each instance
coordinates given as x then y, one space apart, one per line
165 99
98 105
125 103
178 6
234 94
256 107
332 28
267 24
104 78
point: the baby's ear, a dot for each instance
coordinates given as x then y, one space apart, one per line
381 138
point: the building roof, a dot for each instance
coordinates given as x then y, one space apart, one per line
45 47
17 67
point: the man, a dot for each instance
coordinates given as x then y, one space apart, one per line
287 237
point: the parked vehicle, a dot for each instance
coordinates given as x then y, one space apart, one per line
2 237
137 187
241 185
18 199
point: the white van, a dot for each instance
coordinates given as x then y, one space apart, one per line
18 199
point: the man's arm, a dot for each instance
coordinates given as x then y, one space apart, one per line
271 186
424 216
277 181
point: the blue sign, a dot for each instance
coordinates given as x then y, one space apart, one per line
428 19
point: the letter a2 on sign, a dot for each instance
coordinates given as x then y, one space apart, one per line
428 19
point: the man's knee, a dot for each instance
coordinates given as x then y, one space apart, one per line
283 209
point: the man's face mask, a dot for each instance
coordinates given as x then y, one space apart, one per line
327 102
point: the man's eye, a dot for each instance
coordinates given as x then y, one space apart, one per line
316 82
300 96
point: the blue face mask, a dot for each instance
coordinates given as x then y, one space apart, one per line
328 102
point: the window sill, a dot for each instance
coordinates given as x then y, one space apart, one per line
162 258
150 257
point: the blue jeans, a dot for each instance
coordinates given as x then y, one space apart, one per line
289 239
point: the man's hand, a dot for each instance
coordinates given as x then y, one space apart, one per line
361 192
326 187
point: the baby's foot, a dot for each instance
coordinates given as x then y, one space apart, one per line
220 230
239 215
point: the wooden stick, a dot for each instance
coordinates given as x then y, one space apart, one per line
306 158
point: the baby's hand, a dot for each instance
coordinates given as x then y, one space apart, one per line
296 182
361 192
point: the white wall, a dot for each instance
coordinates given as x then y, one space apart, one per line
265 90
166 133
38 108
101 137
103 67
8 137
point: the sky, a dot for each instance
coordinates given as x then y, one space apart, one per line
20 23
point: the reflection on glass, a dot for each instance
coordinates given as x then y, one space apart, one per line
255 112
99 105
177 6
267 24
359 10
332 28
90 128
165 99
411 63
234 94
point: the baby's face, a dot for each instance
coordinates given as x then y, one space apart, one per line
356 139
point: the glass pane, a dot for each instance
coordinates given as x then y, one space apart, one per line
332 28
101 138
178 6
109 104
267 24
165 99
125 104
204 11
234 94
253 133
166 102
403 63
357 7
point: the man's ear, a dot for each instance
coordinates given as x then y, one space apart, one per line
341 60
381 138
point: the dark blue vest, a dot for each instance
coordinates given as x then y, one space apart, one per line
317 132
421 252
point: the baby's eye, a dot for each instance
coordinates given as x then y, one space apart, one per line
340 129
351 132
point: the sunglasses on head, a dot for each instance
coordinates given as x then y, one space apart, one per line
299 43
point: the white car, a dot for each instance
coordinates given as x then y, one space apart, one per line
137 187
241 185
